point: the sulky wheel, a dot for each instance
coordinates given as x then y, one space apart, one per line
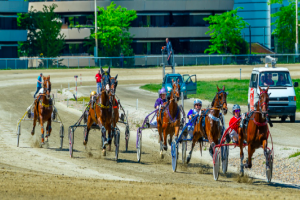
174 154
71 141
61 134
127 135
18 134
117 143
139 145
270 170
224 158
184 146
216 167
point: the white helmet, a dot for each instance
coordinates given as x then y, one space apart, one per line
197 101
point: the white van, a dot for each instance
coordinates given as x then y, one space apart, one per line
282 102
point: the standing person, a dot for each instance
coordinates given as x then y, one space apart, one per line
38 84
169 50
121 60
98 78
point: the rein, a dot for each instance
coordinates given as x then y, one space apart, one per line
175 119
260 124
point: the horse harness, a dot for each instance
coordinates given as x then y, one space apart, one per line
220 103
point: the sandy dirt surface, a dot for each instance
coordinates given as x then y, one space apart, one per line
29 172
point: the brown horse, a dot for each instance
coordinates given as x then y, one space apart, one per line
212 129
168 119
257 132
43 109
115 110
100 111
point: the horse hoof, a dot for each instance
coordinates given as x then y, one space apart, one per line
103 152
161 156
188 160
84 143
165 147
32 132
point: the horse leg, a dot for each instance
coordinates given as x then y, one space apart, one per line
49 128
188 159
251 150
42 128
165 146
34 123
241 141
265 144
88 128
110 133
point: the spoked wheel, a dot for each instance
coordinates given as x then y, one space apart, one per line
71 141
117 144
269 171
18 134
139 146
127 135
174 154
184 146
224 155
61 134
216 167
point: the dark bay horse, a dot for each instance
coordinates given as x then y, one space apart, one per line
168 118
43 109
257 132
212 129
100 111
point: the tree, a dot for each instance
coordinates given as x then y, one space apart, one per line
225 32
113 31
44 37
285 31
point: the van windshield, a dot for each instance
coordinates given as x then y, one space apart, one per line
275 79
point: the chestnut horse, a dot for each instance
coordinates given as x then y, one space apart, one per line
43 109
115 110
168 118
212 129
100 111
257 131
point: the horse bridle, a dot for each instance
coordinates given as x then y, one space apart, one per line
221 103
266 102
176 90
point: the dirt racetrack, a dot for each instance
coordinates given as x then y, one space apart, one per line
29 172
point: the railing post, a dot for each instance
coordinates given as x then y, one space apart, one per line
78 62
146 61
57 63
89 62
15 64
182 100
47 63
6 64
222 60
156 61
208 59
196 61
183 60
68 63
111 62
287 59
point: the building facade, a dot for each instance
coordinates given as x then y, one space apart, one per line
181 21
10 34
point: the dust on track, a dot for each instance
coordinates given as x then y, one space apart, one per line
34 173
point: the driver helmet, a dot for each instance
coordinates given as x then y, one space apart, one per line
235 107
93 93
162 91
197 101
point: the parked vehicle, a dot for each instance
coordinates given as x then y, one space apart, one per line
282 101
188 83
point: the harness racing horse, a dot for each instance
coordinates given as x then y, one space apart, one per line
101 111
257 132
212 129
168 119
43 109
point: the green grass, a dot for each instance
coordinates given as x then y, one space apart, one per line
295 154
86 99
238 90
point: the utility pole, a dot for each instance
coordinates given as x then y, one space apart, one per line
250 37
296 45
96 27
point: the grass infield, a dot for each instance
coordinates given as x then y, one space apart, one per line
238 90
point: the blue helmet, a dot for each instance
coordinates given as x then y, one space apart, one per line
197 101
162 91
236 107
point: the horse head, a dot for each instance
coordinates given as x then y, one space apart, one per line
47 86
175 94
264 101
220 100
106 83
114 84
